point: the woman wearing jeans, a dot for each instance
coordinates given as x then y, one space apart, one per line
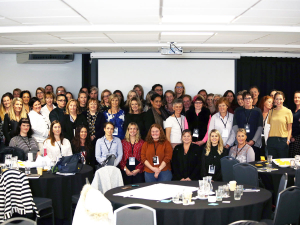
156 155
280 120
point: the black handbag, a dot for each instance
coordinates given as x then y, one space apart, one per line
69 164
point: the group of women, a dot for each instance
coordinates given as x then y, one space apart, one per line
160 138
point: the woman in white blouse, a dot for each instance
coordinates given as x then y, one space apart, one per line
46 109
56 144
38 123
174 125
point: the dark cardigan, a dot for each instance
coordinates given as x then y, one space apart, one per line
68 126
99 125
139 120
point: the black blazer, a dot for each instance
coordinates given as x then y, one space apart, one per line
57 114
149 117
193 169
9 129
68 126
139 120
99 125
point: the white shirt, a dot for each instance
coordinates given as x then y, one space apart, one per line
45 112
39 126
177 126
58 149
217 122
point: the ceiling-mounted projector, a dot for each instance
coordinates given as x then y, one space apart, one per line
172 50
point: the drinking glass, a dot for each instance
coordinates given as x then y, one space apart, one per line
241 188
7 161
226 192
269 158
219 195
176 197
14 162
269 167
27 170
237 194
209 178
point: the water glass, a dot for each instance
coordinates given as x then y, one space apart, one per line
237 194
269 159
176 197
14 162
8 161
27 170
292 163
185 201
241 188
269 167
219 195
226 192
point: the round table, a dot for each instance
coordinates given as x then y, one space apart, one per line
60 189
254 206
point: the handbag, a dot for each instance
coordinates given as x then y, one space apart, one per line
110 161
68 164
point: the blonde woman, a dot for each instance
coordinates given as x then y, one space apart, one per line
72 119
140 91
4 108
131 166
40 94
11 119
242 152
131 94
212 153
179 90
104 104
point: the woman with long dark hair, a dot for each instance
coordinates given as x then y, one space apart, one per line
232 100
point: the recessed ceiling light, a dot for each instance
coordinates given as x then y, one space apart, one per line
187 33
196 19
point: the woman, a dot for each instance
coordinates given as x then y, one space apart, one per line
295 138
136 115
281 121
82 99
81 143
109 145
211 156
11 119
24 139
197 120
242 151
265 105
46 109
222 121
121 96
255 92
95 120
210 103
179 90
104 104
174 125
203 93
38 122
232 100
40 94
56 145
156 155
168 101
131 166
116 116
4 108
148 100
140 90
130 95
186 159
72 119
216 98
69 96
156 114
25 96
239 98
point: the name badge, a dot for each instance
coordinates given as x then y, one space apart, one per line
263 132
131 161
211 169
225 133
196 133
30 156
247 128
155 160
115 131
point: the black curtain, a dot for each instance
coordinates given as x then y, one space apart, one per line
89 71
269 73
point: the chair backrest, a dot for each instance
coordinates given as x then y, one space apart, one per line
227 163
288 206
142 215
247 222
22 221
282 183
245 173
15 151
297 178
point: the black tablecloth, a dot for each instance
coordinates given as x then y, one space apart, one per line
60 189
254 206
271 180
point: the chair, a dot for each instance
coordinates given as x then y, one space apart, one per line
245 174
247 222
288 207
106 178
44 206
282 183
227 163
23 221
15 151
143 215
297 178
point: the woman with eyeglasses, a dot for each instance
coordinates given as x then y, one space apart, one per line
179 90
59 112
40 94
104 104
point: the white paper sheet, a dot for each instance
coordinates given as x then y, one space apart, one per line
156 191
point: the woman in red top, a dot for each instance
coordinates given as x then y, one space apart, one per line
131 166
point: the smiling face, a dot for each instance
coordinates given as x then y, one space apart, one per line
132 130
179 88
187 138
24 128
216 99
222 107
114 103
73 107
134 106
186 102
132 94
159 90
61 101
69 96
48 89
39 94
93 106
214 138
269 103
248 101
198 105
82 99
139 91
18 106
6 102
49 100
177 108
254 92
94 94
16 94
26 98
156 103
279 100
297 98
155 132
241 138
203 93
230 97
240 100
169 97
56 129
105 97
36 106
83 133
109 129
272 94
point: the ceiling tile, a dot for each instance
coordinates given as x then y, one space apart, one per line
277 39
130 37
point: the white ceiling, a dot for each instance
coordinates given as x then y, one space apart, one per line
84 26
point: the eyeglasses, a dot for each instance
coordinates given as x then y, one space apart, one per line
158 89
61 100
180 87
106 96
247 99
199 103
40 93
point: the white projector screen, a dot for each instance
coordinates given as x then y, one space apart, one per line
216 76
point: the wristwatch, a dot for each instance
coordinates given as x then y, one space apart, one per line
124 169
289 141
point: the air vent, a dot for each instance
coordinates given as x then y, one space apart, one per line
44 58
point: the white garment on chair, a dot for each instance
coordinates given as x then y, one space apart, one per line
106 178
93 208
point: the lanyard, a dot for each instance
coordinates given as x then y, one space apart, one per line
59 147
28 144
223 121
113 117
178 122
237 151
110 146
132 147
266 118
155 147
247 119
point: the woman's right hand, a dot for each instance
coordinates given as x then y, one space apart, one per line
155 169
128 172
